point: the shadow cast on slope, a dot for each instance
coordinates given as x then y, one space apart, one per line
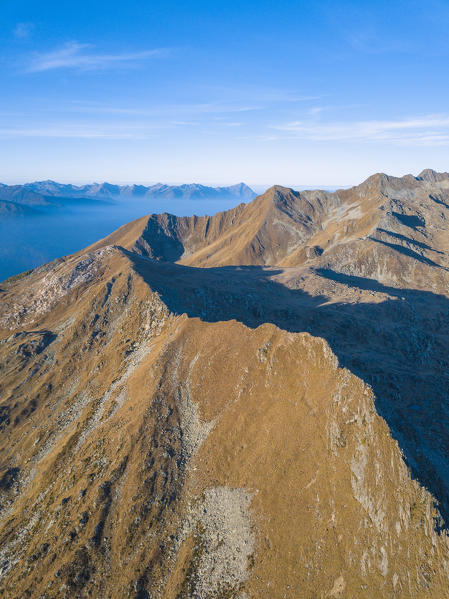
408 252
409 220
408 240
397 343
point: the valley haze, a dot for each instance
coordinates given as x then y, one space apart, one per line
43 220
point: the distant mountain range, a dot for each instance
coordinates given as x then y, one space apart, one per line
41 193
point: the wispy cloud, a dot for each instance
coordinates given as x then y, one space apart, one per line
81 130
316 111
430 130
68 133
83 56
204 108
23 30
266 95
370 43
94 120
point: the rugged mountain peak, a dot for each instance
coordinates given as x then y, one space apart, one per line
432 176
278 189
374 184
279 195
43 182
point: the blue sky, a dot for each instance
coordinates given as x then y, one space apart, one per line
295 93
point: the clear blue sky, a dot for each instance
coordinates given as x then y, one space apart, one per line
285 92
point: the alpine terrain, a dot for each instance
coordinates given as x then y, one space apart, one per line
250 405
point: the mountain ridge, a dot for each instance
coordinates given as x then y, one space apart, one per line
284 227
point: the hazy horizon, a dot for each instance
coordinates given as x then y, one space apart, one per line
257 187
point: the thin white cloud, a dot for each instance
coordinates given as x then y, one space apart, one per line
23 30
70 130
371 43
216 108
264 94
67 133
429 130
317 110
173 109
83 56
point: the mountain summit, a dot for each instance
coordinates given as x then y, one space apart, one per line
252 404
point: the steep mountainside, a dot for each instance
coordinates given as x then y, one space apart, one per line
248 405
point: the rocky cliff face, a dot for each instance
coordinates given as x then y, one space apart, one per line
273 425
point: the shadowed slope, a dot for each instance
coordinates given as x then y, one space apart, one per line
395 339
